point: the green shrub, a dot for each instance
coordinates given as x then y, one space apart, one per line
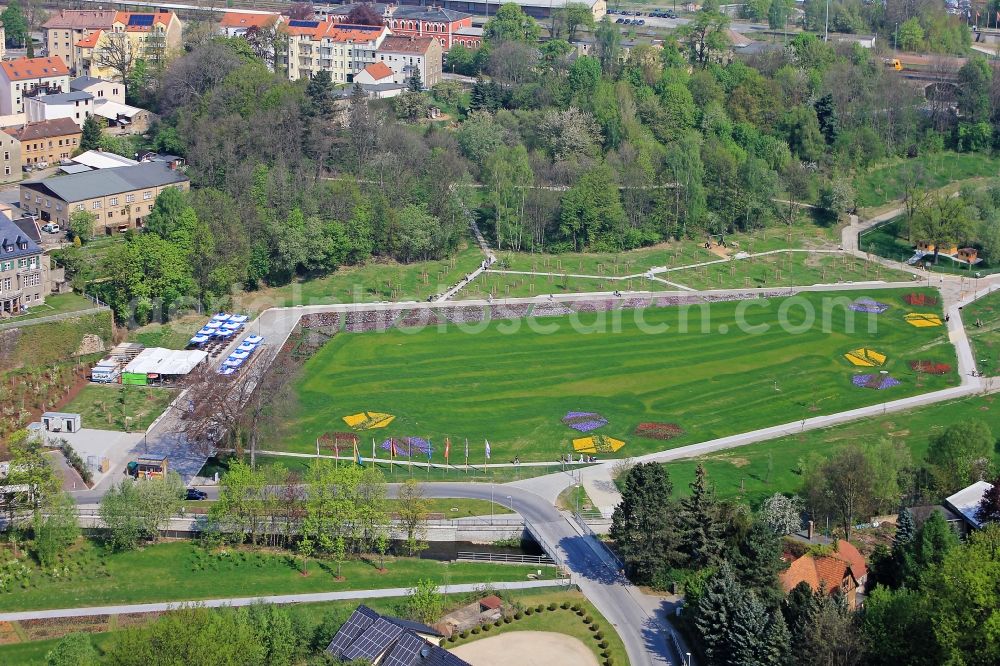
529 611
580 612
486 627
475 631
609 662
497 623
518 615
464 634
553 606
506 619
452 638
576 606
540 608
588 620
596 628
565 605
603 645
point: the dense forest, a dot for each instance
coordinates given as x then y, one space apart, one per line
549 151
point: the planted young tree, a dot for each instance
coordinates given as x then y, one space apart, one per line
240 508
424 603
412 509
56 531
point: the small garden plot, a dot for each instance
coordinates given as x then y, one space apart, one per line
368 420
597 444
920 299
869 305
868 358
923 320
407 447
878 382
930 367
584 421
657 430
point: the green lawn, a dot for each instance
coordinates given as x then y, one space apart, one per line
102 406
785 270
513 381
174 335
886 182
56 304
438 508
180 571
986 338
770 467
377 281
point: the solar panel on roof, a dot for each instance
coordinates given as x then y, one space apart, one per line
296 23
140 19
374 642
360 620
406 649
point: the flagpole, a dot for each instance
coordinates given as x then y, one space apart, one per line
409 455
466 456
429 449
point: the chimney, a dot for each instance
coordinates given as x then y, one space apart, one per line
809 532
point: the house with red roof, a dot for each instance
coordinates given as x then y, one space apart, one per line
407 55
29 77
338 48
841 571
64 29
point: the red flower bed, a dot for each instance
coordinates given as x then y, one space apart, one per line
920 299
656 430
930 367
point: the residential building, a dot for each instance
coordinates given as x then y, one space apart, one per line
101 89
73 105
380 639
377 80
64 29
843 571
120 199
30 77
150 36
3 41
407 54
343 50
100 159
123 119
23 270
47 141
10 150
236 24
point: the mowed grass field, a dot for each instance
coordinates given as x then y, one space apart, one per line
985 339
512 382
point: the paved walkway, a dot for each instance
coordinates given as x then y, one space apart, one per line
88 611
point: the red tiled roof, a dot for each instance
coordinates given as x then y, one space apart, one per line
824 573
338 32
73 19
404 44
491 602
45 129
378 70
846 551
90 41
245 20
34 68
800 570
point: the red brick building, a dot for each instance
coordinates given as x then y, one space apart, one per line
448 26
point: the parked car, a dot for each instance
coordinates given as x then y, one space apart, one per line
195 494
619 20
51 228
641 22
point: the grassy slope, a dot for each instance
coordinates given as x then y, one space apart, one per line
180 571
885 183
370 283
99 406
889 240
513 388
750 463
985 340
57 304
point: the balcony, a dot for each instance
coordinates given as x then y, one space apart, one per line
43 89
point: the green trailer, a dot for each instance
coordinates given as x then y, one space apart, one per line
134 379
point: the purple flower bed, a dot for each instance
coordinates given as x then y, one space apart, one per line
868 305
877 382
584 421
409 446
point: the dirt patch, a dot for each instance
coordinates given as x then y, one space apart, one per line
527 648
738 462
719 251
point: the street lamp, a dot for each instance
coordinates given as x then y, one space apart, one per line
688 659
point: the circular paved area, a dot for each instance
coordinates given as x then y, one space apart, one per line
527 648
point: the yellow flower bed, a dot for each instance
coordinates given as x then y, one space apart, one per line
921 320
597 444
368 420
868 358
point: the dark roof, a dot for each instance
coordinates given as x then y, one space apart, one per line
418 627
432 14
44 129
83 82
62 98
922 513
103 182
370 636
29 227
14 243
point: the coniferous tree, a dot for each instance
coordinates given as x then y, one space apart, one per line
414 82
715 614
643 525
933 541
319 91
91 138
701 538
756 636
758 560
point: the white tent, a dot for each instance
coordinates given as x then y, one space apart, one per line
157 360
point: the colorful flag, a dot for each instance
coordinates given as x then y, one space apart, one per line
447 449
373 449
429 449
357 454
487 449
466 450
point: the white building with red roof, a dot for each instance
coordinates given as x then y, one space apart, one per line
236 23
29 77
343 50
